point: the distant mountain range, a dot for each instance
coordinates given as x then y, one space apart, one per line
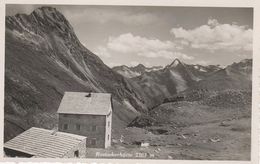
44 58
161 83
199 71
224 93
130 72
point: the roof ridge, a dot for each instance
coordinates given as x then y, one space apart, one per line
83 103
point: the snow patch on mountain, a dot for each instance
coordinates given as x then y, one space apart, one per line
128 73
131 72
153 69
129 106
180 82
202 70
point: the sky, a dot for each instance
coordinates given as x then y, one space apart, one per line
155 36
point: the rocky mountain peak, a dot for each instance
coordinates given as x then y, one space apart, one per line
45 9
42 24
243 67
241 64
47 19
140 66
175 63
49 16
246 61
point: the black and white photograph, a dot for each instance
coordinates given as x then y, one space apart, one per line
128 82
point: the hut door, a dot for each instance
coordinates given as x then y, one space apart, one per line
76 154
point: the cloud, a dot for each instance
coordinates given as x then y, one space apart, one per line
134 63
105 15
213 22
202 62
165 54
102 52
130 43
145 47
215 36
113 64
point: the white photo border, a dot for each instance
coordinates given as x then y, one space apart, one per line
255 4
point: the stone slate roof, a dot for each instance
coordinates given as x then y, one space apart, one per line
44 143
85 103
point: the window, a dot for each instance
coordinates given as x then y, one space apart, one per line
107 137
93 141
78 126
65 126
65 115
94 128
76 153
108 123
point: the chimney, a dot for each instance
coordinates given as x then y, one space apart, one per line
54 132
